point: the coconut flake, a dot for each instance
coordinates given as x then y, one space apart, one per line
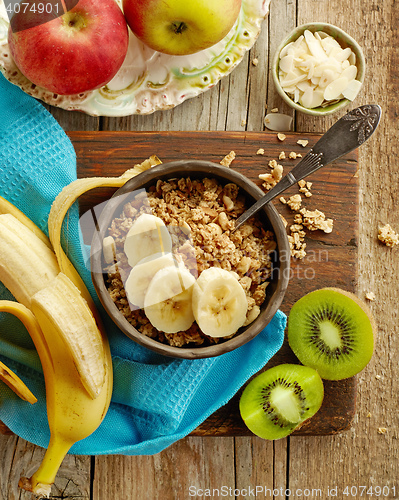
352 90
315 70
335 88
278 122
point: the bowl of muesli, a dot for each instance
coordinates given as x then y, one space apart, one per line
171 270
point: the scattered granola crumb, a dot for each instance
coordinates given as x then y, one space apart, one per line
304 188
293 155
227 160
260 151
283 200
382 430
295 202
302 142
298 219
274 110
243 123
370 296
388 236
273 163
282 156
296 241
255 61
316 220
368 415
271 179
281 137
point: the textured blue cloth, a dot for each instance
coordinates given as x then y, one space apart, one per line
156 400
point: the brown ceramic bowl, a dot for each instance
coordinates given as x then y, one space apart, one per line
195 170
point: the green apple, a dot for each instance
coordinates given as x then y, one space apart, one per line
181 27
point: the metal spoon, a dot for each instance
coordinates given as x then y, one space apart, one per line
344 136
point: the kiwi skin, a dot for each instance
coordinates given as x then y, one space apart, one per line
343 365
302 398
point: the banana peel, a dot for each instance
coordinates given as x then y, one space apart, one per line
15 383
70 193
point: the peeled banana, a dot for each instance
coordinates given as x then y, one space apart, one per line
72 347
26 263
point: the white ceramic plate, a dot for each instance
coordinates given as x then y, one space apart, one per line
148 80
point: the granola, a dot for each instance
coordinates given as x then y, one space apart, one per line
388 236
207 210
228 159
272 178
304 218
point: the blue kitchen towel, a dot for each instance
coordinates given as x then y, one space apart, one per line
156 400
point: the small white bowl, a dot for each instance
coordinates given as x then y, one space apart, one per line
344 40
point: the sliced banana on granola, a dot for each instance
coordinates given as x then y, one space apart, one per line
168 301
147 236
141 274
219 303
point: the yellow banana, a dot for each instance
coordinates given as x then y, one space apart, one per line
72 347
59 308
58 312
8 208
72 413
14 382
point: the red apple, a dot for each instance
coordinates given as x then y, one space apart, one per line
78 51
181 27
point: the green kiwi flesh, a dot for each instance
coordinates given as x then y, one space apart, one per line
280 399
332 331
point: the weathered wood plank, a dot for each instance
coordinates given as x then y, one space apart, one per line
363 456
188 468
20 458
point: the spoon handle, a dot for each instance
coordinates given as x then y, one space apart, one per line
344 136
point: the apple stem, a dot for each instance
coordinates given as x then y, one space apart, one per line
179 27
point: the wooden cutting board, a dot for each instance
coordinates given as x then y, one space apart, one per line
331 258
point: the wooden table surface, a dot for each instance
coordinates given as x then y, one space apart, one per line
348 465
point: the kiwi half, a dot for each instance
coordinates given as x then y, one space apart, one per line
280 399
332 331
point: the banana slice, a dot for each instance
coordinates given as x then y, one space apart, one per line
219 303
167 303
109 249
142 273
147 236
